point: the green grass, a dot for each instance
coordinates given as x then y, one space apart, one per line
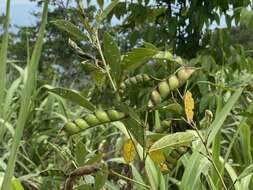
27 93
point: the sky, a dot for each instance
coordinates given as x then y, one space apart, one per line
20 12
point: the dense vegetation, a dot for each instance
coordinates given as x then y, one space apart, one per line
128 95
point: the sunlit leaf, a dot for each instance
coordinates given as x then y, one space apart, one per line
175 139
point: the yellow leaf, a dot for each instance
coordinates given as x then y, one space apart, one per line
159 159
128 151
189 106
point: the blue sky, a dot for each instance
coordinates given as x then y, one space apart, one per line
20 12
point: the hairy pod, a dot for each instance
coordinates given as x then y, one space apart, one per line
138 79
93 119
173 82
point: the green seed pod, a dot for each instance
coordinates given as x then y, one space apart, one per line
102 116
173 82
91 119
166 124
139 78
155 98
171 160
182 149
133 80
127 82
115 115
122 86
81 123
184 74
146 77
71 128
164 89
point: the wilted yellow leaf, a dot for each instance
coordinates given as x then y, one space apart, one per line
189 106
128 151
159 159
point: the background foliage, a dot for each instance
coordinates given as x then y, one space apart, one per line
90 49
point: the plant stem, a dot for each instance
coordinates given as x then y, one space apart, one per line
104 62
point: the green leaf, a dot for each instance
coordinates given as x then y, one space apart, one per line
81 152
247 171
99 78
222 115
195 166
100 179
100 3
84 186
71 29
96 158
137 57
3 61
112 55
106 11
135 129
73 96
27 93
175 139
16 185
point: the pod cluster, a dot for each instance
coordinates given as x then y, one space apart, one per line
173 82
138 79
93 119
174 155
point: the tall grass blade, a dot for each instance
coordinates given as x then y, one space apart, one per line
190 176
3 58
25 101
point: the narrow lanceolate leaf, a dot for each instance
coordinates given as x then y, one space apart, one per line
247 171
221 116
189 106
25 100
71 29
3 57
137 57
112 54
72 96
175 139
129 151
